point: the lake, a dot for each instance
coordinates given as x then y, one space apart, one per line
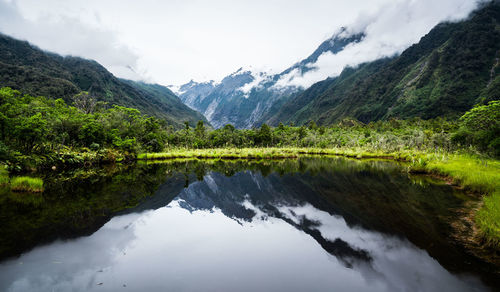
308 224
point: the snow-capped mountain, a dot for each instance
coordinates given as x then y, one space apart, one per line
247 97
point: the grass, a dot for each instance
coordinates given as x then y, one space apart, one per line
27 184
472 172
258 153
479 175
488 220
20 183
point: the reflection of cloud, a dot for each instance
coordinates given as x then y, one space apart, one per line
205 247
69 36
395 262
389 31
71 265
172 249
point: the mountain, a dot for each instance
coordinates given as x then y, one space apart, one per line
245 97
36 72
452 68
165 100
194 93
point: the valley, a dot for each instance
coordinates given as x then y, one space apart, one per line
351 169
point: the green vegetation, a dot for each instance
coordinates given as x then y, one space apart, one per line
4 177
451 69
488 218
26 184
43 132
378 136
20 183
481 126
462 150
36 72
476 174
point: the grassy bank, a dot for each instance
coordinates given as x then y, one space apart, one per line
473 173
478 175
261 153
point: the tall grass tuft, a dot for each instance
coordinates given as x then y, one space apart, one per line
488 219
27 184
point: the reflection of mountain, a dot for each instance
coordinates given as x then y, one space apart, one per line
335 201
364 214
343 208
370 196
230 194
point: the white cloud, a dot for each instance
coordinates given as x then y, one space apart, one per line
172 42
176 41
389 31
259 77
68 35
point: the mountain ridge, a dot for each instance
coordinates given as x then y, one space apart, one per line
445 74
31 70
245 97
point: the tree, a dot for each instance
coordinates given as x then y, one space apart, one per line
200 129
312 125
229 128
31 131
302 132
483 117
481 127
84 102
265 135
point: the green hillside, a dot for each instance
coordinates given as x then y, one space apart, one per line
452 68
35 72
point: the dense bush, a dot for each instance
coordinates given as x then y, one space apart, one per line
481 127
38 126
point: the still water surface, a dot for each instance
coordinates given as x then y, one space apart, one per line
307 225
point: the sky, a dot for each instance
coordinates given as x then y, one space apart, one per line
171 42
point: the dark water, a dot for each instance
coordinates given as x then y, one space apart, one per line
296 225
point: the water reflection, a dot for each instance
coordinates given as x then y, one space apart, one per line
315 230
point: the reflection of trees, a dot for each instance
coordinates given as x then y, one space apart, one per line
371 194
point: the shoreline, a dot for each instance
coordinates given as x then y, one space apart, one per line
471 173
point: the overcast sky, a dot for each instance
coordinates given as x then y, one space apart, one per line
171 42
